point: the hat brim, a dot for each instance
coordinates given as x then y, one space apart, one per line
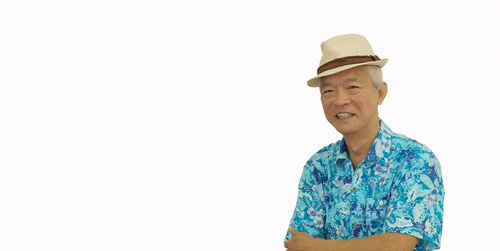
315 81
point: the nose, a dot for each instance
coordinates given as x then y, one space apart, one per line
341 98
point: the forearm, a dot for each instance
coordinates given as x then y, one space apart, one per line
378 242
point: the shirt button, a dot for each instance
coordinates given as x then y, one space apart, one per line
354 189
354 224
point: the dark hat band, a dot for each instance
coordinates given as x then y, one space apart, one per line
346 61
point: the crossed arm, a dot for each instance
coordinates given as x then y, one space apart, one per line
379 242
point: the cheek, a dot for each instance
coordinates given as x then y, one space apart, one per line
327 110
357 100
324 103
365 103
327 105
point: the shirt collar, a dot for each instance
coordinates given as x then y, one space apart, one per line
379 150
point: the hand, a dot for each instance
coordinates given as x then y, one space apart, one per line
302 241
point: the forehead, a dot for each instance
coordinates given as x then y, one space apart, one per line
350 75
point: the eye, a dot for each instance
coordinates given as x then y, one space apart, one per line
325 91
353 87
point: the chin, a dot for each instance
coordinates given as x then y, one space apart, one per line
344 130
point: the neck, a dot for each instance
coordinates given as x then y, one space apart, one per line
358 145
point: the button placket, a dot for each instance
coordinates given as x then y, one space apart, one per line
355 179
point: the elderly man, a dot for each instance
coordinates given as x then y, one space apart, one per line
374 189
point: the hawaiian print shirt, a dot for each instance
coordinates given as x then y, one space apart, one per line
397 188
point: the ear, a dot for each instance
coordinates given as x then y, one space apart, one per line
381 92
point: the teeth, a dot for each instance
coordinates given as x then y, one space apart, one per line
344 115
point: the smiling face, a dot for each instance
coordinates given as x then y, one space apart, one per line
350 101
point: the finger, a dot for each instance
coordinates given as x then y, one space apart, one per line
293 231
289 245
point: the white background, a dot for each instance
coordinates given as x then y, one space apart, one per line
153 125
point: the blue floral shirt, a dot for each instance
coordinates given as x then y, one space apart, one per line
397 188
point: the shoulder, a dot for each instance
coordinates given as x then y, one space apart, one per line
415 158
326 153
410 150
319 162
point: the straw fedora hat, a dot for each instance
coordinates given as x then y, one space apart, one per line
345 52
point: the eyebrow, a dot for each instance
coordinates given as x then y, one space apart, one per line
345 80
322 85
351 79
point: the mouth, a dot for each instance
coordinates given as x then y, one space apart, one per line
344 115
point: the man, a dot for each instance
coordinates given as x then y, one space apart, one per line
374 189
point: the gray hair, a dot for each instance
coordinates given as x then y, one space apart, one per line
375 74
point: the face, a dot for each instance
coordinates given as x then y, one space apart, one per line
350 101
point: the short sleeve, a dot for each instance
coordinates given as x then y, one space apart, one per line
309 214
416 203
